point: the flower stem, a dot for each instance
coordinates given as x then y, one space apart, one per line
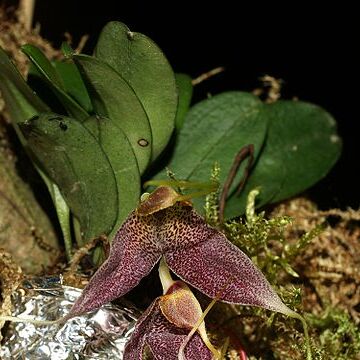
295 315
204 337
165 276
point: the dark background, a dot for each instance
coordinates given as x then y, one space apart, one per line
311 49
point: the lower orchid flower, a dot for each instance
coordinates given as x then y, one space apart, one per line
163 330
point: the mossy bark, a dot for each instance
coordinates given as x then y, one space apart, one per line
25 229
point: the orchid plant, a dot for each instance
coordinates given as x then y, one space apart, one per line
167 327
120 113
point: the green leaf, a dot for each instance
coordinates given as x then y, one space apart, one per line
41 62
63 214
21 102
143 65
73 159
67 50
112 97
301 147
122 159
52 78
214 131
309 141
185 91
62 209
73 83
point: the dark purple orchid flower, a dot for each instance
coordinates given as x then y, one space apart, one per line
163 328
165 225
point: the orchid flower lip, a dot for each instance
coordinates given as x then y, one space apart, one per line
163 331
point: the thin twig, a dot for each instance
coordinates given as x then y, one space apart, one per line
26 10
207 75
349 214
271 89
80 253
246 151
82 44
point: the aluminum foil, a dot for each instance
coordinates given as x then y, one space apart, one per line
101 334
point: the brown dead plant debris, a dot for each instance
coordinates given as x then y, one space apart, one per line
331 262
13 34
10 279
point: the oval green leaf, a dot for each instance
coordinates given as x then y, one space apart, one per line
309 142
143 65
73 83
112 97
74 160
53 80
21 102
214 131
122 159
63 214
185 91
301 147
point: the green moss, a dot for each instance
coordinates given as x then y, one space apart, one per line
212 199
338 334
333 333
264 241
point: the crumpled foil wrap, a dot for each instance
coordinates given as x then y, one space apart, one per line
101 334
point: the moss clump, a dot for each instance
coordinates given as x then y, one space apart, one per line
338 334
283 246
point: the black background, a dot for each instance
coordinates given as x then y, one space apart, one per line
311 49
